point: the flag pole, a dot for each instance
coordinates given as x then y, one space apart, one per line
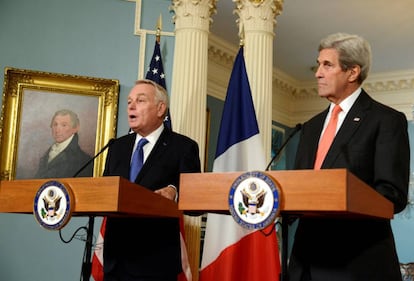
241 35
159 28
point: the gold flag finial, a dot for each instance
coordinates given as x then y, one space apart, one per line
159 27
241 35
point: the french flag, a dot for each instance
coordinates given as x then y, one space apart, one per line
230 251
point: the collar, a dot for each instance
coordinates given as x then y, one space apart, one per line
61 146
347 103
152 138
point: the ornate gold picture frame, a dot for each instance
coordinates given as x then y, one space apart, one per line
30 100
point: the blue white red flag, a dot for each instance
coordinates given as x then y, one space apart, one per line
156 73
230 251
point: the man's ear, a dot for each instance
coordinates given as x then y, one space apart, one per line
162 109
76 129
355 71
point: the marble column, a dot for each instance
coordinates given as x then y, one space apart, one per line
189 75
188 105
257 21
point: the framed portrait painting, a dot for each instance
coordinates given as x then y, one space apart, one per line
34 109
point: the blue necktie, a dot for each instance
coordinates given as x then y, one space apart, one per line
137 160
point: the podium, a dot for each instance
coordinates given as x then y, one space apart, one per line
303 193
330 192
100 196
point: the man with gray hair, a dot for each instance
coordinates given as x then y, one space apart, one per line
65 157
370 140
152 156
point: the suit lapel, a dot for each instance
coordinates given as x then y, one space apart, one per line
352 121
125 152
158 151
309 140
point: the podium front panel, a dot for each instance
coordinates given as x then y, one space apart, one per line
303 192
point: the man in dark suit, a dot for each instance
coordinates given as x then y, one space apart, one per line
147 249
65 157
371 141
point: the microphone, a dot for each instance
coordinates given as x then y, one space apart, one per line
110 142
295 130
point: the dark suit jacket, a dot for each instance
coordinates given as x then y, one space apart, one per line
66 163
148 246
372 143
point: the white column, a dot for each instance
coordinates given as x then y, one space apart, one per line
257 19
189 75
188 105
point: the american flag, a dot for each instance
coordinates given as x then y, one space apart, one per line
156 73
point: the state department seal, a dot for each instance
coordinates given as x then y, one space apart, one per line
254 200
53 205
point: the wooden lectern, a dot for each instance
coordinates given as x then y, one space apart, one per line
335 192
100 196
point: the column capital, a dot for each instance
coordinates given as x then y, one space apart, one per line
258 15
194 14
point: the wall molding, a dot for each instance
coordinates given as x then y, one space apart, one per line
296 101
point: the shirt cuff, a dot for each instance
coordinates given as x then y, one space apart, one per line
176 191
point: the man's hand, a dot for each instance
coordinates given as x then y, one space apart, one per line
169 192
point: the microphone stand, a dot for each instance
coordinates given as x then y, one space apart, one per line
87 263
295 130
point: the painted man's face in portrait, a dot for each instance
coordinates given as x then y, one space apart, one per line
62 128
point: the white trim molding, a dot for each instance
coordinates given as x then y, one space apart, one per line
295 101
